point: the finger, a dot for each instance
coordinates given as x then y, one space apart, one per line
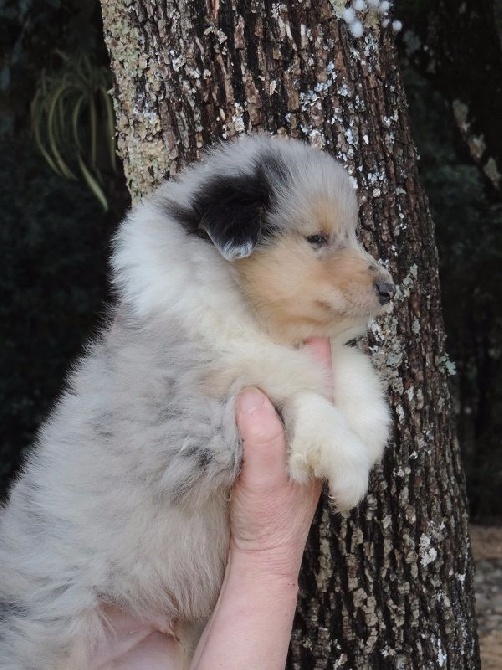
262 433
320 348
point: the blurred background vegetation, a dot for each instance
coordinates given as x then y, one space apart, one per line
63 193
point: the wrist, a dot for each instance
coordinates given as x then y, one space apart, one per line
254 613
252 619
266 567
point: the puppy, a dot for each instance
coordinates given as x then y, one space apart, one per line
220 277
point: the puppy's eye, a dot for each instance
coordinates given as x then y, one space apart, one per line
317 241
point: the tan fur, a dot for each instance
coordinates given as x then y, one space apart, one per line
295 290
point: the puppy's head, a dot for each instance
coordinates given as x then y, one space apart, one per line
284 215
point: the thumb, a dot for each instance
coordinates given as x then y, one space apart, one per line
262 433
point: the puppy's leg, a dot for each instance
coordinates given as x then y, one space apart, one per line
323 445
358 394
340 443
320 440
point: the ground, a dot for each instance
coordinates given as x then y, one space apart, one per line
487 550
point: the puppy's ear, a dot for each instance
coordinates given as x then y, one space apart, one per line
231 209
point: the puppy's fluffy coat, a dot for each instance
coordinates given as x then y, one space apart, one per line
220 276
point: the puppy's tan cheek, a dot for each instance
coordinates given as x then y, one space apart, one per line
275 274
285 284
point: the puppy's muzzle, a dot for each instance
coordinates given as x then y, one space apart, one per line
385 291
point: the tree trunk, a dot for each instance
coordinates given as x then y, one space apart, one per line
390 585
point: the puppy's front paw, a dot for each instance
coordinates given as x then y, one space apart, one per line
322 445
359 396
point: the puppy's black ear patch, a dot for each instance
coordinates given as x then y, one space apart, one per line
231 209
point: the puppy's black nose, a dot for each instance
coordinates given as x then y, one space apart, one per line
384 291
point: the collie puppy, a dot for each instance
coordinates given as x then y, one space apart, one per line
220 277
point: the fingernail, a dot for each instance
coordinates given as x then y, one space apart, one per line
250 400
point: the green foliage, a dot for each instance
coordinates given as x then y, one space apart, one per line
54 235
73 121
31 31
468 217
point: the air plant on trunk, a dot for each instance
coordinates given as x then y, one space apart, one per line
73 121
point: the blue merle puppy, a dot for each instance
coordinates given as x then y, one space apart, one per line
220 277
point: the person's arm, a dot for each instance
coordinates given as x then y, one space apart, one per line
270 520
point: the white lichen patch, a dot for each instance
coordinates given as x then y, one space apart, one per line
447 366
237 119
388 652
316 138
441 656
324 574
375 177
428 553
280 14
388 353
400 414
477 145
309 99
401 224
311 104
338 7
460 112
340 662
403 290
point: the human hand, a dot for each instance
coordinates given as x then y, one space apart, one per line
270 515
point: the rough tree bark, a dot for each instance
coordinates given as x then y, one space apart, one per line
390 585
